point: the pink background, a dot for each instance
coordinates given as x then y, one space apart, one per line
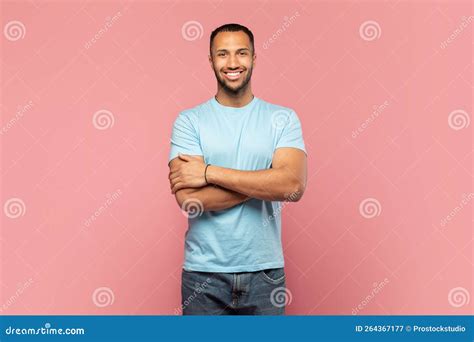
59 166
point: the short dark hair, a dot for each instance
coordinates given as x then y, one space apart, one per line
232 28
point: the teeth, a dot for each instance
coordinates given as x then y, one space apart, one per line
233 73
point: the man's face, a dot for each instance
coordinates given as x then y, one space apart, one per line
232 60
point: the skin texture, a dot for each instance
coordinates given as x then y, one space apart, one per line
211 197
233 51
284 181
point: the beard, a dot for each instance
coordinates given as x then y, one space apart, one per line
234 90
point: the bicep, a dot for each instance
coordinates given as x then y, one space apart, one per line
291 159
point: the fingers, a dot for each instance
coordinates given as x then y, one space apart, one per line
173 175
174 181
177 187
184 157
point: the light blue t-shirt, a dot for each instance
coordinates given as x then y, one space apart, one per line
246 237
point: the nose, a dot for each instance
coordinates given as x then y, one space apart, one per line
232 62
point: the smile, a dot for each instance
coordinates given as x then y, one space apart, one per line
234 75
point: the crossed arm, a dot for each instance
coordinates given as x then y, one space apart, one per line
285 180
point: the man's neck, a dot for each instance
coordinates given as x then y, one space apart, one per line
231 100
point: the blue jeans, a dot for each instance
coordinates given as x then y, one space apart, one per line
243 293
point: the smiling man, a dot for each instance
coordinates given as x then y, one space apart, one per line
233 160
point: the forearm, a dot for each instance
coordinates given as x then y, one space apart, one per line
211 198
269 185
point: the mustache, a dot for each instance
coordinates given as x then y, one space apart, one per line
222 81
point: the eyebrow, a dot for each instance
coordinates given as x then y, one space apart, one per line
225 50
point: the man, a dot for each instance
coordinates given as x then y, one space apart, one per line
233 159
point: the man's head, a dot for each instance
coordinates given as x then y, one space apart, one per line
232 56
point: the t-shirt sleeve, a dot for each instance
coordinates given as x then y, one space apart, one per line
291 132
184 138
